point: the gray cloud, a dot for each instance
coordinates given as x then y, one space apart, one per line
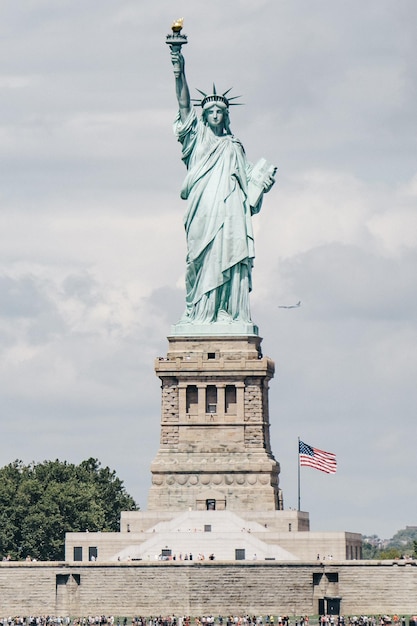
92 243
347 282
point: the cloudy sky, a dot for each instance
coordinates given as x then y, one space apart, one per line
92 246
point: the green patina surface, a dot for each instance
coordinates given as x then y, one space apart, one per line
223 190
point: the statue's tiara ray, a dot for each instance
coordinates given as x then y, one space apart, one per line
215 96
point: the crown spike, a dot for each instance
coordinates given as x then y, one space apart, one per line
215 97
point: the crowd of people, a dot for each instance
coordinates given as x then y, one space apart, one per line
209 620
188 556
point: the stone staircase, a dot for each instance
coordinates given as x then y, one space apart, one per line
201 534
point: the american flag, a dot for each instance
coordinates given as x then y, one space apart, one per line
319 459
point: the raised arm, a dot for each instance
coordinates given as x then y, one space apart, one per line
181 86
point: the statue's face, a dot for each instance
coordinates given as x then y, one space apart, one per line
215 118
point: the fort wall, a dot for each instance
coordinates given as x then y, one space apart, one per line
198 588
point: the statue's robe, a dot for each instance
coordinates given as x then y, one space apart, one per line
220 245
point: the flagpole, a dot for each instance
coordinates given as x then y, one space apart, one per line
298 456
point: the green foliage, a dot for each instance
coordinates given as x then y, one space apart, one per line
403 543
40 502
403 539
370 551
390 553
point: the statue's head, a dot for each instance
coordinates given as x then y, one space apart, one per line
216 114
216 100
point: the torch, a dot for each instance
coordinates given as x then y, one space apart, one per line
175 40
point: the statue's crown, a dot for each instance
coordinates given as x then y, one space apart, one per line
208 99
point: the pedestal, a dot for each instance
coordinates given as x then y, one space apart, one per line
215 449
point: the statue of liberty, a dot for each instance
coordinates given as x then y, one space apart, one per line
223 190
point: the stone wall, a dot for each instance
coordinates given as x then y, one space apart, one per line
206 587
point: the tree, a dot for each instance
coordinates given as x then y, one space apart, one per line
403 539
369 550
40 502
402 544
389 553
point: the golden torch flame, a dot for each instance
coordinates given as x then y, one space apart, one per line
177 25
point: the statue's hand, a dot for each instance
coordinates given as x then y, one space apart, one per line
269 181
177 61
